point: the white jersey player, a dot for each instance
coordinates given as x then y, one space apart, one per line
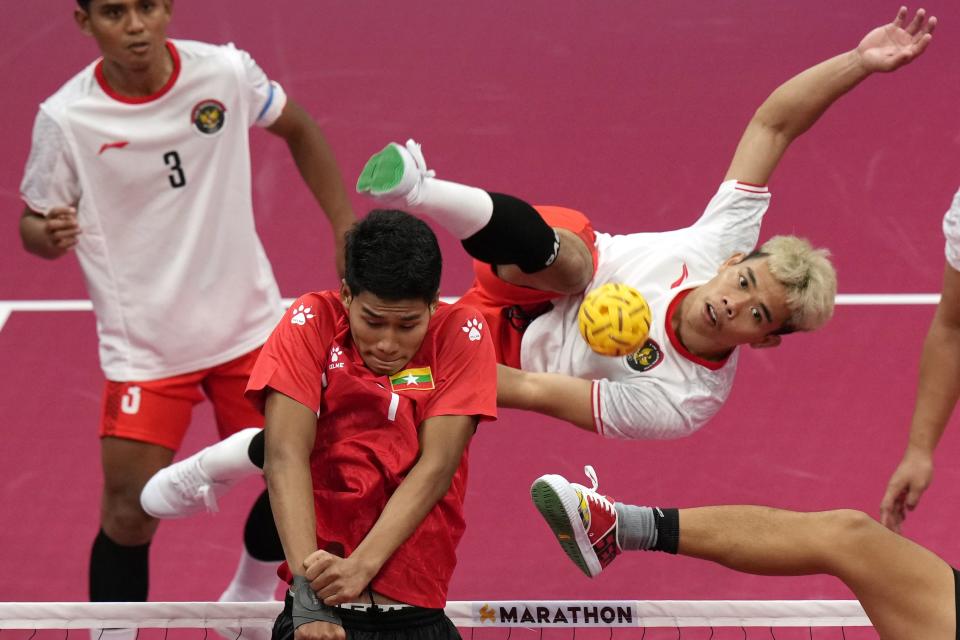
141 163
663 390
709 293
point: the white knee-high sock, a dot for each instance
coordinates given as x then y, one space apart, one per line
229 458
254 581
459 209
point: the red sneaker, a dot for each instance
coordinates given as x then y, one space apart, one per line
584 521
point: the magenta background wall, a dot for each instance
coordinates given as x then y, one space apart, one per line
627 110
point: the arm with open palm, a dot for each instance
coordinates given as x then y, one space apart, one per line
799 102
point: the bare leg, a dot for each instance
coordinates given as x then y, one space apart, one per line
907 591
127 465
494 228
119 568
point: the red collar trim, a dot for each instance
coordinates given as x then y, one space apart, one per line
110 91
713 365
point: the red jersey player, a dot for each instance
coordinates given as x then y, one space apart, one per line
371 395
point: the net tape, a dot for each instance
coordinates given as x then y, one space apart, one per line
478 614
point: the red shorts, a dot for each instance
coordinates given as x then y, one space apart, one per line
508 308
158 411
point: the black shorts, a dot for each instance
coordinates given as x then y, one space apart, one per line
409 623
956 600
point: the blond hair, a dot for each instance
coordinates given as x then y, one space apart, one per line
808 276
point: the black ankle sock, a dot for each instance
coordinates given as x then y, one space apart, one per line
667 522
260 535
118 573
257 448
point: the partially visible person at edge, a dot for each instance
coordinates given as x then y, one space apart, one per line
937 389
140 164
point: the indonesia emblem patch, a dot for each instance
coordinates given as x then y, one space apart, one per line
209 116
646 357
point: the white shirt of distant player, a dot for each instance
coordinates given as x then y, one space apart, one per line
178 277
678 394
951 231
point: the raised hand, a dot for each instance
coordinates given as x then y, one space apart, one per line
893 45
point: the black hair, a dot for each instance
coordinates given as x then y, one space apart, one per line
394 256
84 4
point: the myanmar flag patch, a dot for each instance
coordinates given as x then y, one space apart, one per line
412 379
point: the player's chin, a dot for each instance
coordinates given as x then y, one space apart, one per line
381 367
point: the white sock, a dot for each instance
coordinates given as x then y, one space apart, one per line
113 634
229 459
254 581
459 209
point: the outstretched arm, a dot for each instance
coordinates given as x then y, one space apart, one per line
794 106
552 394
318 167
937 394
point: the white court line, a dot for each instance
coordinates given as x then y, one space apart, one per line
853 299
4 314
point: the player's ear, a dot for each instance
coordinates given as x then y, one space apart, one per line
82 18
345 296
768 341
434 304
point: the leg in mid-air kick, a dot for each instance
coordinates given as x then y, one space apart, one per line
907 591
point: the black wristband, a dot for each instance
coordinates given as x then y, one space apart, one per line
307 607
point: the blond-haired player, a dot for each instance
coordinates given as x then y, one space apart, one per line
708 290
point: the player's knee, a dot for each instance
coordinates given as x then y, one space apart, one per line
574 265
123 519
848 527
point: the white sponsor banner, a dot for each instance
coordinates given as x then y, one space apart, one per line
658 613
608 613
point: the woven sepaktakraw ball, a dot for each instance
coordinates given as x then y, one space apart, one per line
614 319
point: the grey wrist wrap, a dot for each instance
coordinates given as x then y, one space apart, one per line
307 607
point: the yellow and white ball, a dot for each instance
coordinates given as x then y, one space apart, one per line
614 319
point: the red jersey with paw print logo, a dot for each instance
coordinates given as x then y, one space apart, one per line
368 427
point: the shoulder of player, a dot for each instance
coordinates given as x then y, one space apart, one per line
322 304
195 49
71 91
452 317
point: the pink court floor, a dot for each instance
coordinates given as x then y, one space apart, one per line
627 110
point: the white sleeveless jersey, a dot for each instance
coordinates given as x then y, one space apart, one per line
662 390
951 231
177 274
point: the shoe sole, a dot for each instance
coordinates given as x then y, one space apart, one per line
383 172
557 503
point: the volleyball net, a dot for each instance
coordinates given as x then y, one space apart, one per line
479 620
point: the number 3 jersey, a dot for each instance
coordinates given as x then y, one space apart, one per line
178 277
